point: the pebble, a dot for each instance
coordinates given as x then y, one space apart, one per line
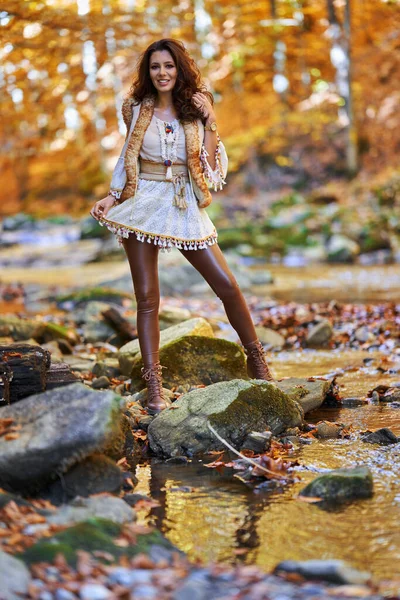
143 592
101 383
93 591
62 594
129 577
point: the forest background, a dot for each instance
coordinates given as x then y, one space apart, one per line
307 99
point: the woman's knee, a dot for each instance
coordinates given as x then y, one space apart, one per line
148 301
227 287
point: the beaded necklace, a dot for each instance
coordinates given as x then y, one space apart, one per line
169 136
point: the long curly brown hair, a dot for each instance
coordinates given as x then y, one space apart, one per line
188 79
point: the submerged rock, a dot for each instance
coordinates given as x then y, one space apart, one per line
341 485
59 428
333 571
129 354
234 409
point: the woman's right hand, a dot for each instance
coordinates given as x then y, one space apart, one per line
101 208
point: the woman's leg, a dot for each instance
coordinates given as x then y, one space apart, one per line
211 264
143 261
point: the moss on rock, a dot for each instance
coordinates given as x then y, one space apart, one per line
91 535
341 485
234 408
196 360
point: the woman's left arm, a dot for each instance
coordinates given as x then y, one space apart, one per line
213 156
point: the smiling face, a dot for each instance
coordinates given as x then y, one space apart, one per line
163 71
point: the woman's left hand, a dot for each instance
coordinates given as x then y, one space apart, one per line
203 104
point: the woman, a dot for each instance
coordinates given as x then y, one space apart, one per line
158 194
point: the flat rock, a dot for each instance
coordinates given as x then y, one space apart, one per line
14 577
100 507
309 394
59 428
233 408
341 485
130 352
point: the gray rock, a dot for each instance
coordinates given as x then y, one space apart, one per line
362 334
97 331
14 577
380 436
319 335
233 408
309 394
341 485
130 352
59 428
174 314
270 338
258 442
108 367
101 383
333 571
93 475
130 577
342 249
103 507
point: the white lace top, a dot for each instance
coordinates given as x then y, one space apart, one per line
151 213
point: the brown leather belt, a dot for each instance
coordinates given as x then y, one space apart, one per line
149 168
157 171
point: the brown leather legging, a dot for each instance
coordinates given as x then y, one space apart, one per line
210 263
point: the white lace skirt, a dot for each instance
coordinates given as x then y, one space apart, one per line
153 217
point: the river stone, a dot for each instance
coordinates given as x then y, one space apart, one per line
196 360
270 338
234 409
108 367
20 329
14 577
380 436
328 430
319 335
333 571
59 428
93 475
130 352
100 507
341 485
309 394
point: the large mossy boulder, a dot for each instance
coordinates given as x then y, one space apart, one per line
129 354
93 535
196 360
341 485
233 408
57 429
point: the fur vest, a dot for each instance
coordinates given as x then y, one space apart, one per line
194 135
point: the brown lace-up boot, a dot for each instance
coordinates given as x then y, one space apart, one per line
155 394
257 367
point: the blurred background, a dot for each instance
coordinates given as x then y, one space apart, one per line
307 99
